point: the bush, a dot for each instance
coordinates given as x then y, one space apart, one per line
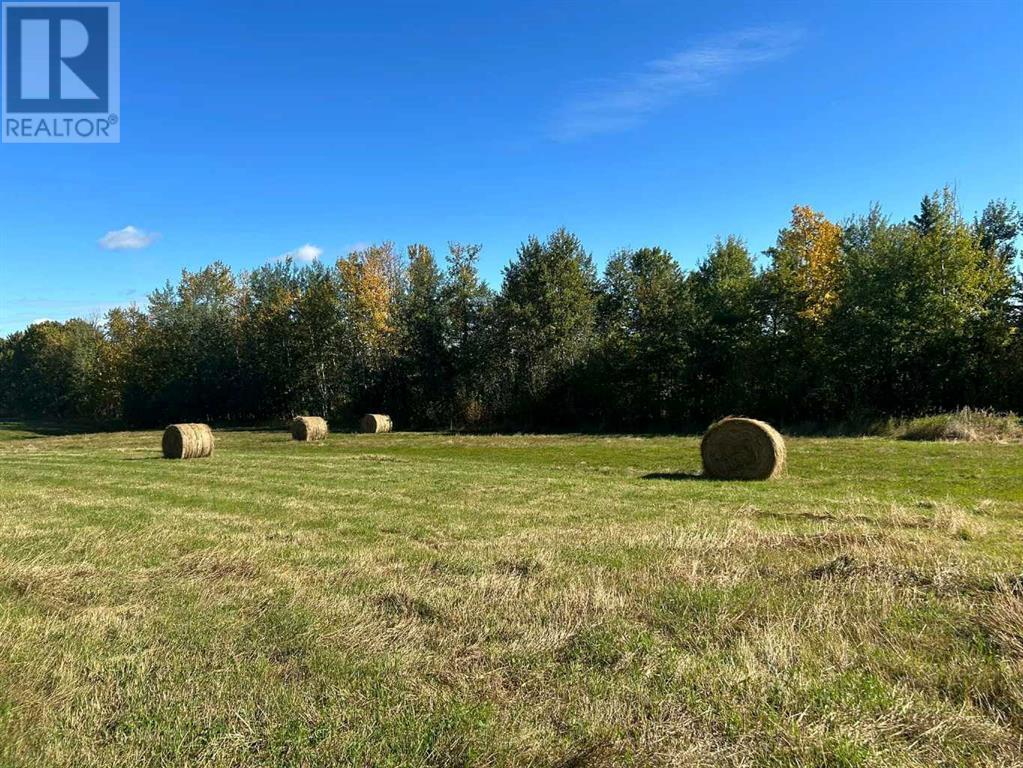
966 424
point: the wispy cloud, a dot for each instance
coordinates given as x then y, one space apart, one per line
351 248
615 105
128 239
304 253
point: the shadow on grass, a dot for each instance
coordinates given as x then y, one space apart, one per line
29 430
676 476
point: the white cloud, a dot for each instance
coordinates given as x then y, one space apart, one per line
128 239
625 102
305 253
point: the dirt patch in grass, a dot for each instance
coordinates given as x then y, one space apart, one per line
397 606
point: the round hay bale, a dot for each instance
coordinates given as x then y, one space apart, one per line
308 428
187 441
742 449
376 422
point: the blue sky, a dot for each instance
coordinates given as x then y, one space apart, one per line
249 130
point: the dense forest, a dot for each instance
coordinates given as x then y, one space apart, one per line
837 321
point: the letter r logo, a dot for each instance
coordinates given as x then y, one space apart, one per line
36 62
57 58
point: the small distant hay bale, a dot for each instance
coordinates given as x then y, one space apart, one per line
742 449
308 428
187 441
375 422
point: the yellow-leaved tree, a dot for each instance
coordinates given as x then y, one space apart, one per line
807 260
369 281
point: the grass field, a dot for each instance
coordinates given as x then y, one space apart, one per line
435 600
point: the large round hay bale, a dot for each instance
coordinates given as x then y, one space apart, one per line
187 441
376 422
742 449
308 428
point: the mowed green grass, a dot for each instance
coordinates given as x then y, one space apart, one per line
436 600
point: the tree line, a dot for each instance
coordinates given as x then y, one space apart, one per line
864 318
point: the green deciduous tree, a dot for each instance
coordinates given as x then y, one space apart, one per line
470 339
547 310
52 370
643 311
724 374
422 369
923 312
